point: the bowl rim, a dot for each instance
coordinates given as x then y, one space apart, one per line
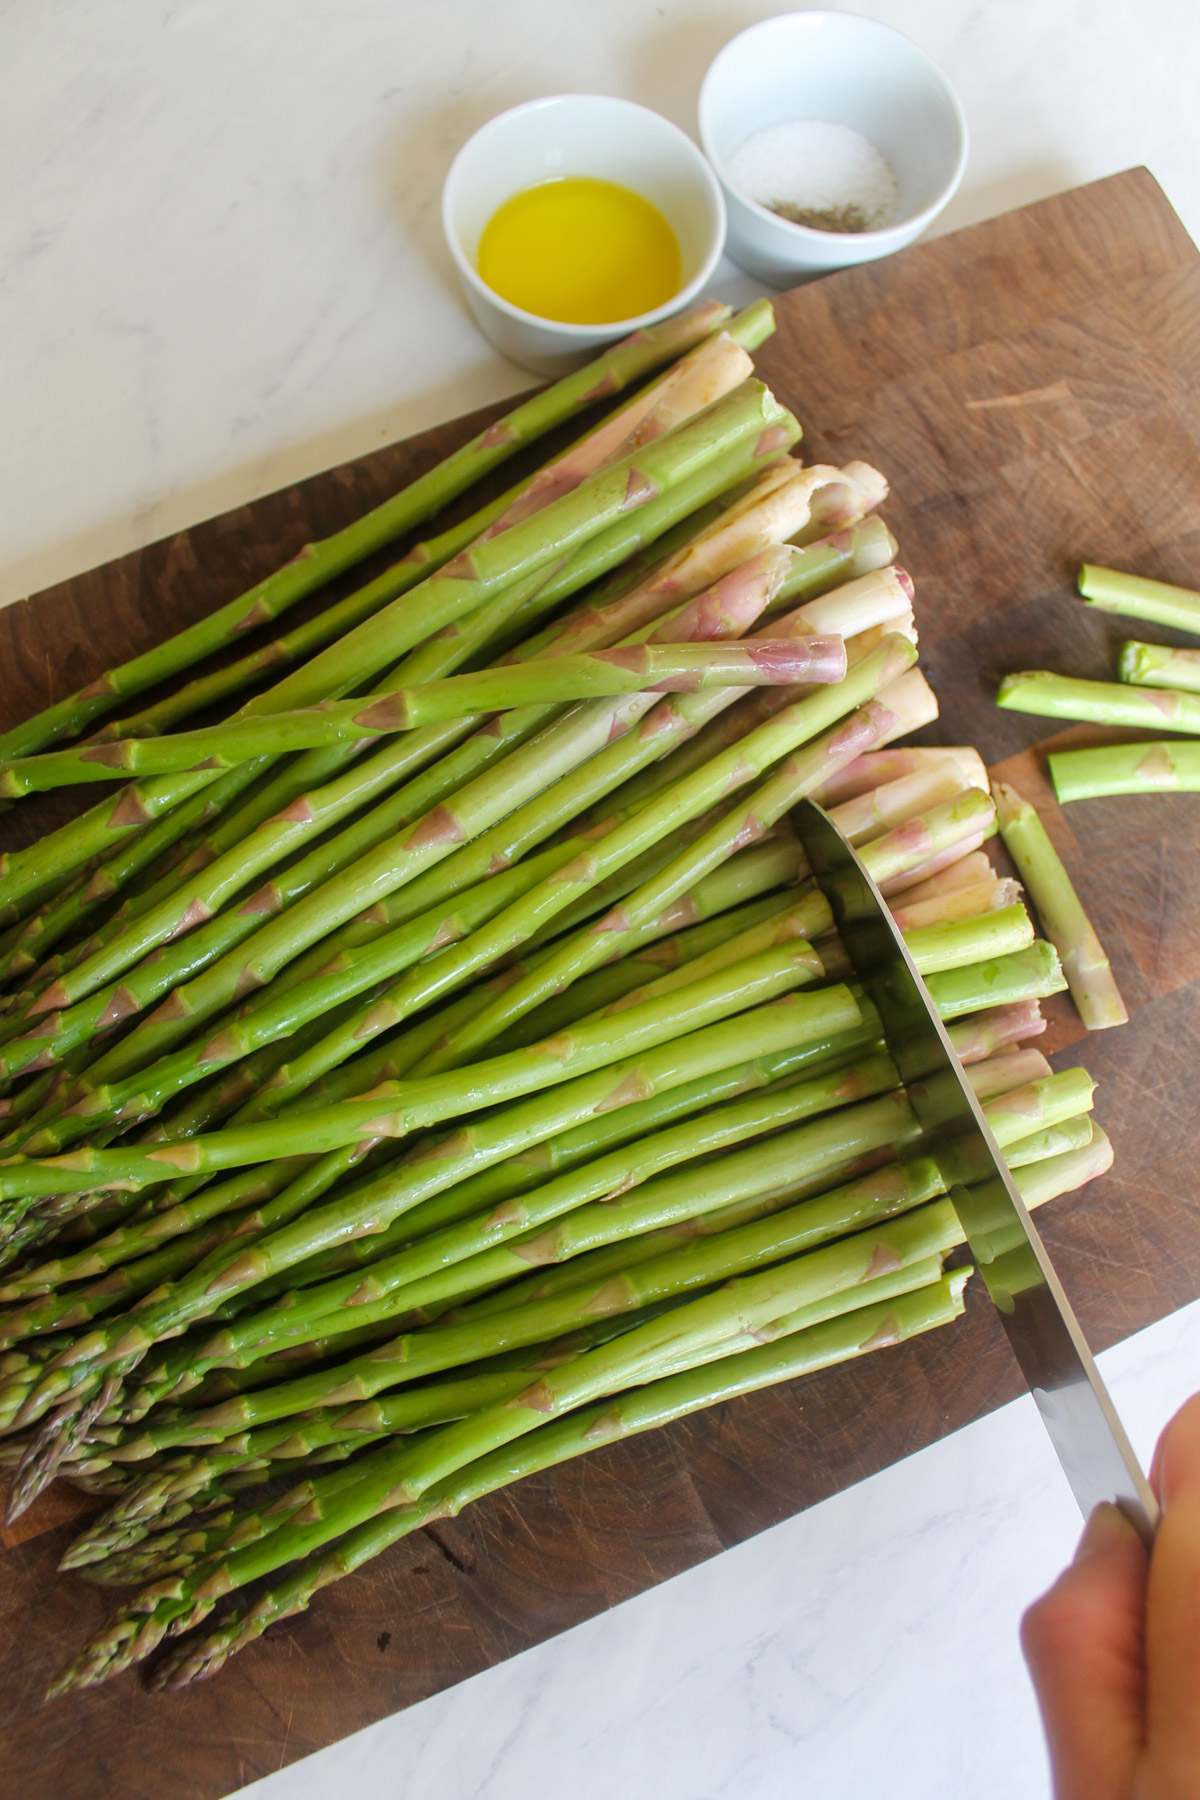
587 336
908 227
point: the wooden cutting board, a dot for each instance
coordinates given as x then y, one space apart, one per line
1031 386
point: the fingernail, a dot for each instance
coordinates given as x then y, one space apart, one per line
1106 1526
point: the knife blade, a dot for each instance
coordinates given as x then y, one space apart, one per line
1045 1336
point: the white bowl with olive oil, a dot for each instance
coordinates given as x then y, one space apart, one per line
576 219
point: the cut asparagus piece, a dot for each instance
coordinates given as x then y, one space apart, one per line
1158 666
1139 598
1086 967
1163 768
1099 702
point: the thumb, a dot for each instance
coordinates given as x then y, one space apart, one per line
1173 1610
1083 1644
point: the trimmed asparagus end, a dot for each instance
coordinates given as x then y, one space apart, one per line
1161 768
1085 965
1139 598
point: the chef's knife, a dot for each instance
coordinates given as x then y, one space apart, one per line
1078 1413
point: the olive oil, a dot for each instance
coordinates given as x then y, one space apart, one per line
581 251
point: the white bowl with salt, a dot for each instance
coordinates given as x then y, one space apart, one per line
835 139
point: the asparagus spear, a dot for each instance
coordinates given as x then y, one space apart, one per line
585 456
96 888
1011 1069
76 1006
782 1170
768 803
959 902
791 1021
726 607
317 562
1086 967
321 1000
672 1343
891 711
802 1352
717 547
850 611
618 930
602 1183
1138 598
635 669
748 415
1032 974
877 767
882 808
1159 666
761 866
959 944
180 1480
396 908
882 1192
295 646
419 1104
807 1347
688 1336
248 1527
500 1182
463 640
495 1250
1161 768
821 498
1099 702
515 923
988 1032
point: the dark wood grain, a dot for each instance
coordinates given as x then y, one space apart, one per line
1032 388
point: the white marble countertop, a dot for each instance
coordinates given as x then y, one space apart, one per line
220 270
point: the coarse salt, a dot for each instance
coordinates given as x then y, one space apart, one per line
817 174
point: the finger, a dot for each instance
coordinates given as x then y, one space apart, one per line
1083 1644
1177 1453
1173 1612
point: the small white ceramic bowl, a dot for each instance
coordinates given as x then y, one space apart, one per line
845 70
578 134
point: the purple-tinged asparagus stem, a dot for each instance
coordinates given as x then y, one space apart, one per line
633 668
1007 1070
876 767
996 1029
318 562
882 808
747 415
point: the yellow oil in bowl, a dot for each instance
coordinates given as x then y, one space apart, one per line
581 251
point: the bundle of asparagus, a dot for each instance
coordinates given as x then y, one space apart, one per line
402 1095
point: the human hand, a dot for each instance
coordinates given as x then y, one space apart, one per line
1114 1647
